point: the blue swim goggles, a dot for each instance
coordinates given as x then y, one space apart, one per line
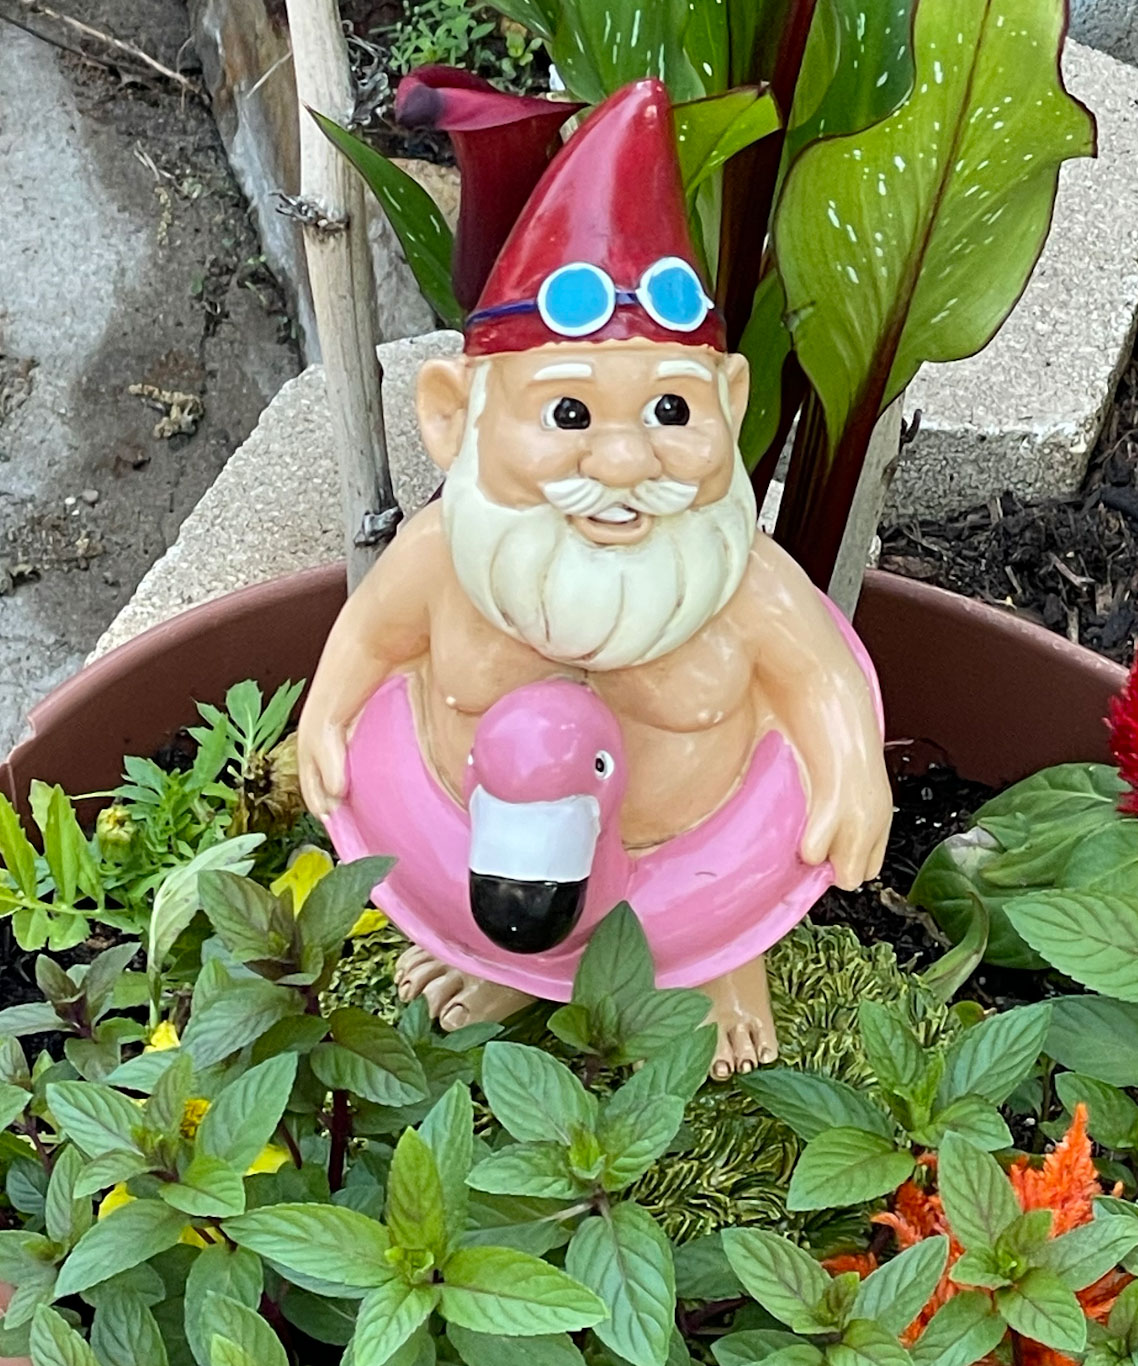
579 298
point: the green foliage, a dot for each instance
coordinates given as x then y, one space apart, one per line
242 779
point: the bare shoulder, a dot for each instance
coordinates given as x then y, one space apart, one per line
771 579
411 571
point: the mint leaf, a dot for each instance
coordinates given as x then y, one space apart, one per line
977 1195
388 1317
753 1345
244 1116
960 1333
844 1167
1078 1026
1090 936
993 1057
973 1118
55 1343
785 1280
537 1169
896 1293
108 1170
633 1132
334 904
811 1103
208 1187
448 1132
95 1117
703 1271
233 1322
491 1349
624 1256
66 1217
239 1015
129 1235
533 1096
218 1270
496 1289
1112 1117
867 1344
1042 1308
318 1246
369 1058
415 1215
891 1047
125 1332
1081 1257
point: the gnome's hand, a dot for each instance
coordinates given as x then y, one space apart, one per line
322 755
850 808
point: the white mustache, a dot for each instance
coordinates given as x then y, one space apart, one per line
580 496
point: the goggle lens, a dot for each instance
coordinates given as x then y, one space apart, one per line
576 300
672 294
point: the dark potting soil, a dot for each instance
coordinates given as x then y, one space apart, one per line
1070 563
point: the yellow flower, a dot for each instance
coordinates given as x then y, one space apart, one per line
270 1159
165 1036
304 872
114 1199
193 1112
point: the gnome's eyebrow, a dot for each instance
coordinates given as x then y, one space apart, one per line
669 369
566 370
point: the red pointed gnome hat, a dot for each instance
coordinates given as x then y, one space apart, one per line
602 250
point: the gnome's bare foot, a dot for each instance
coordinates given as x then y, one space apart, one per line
741 1010
454 998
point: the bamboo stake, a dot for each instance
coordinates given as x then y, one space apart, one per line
331 209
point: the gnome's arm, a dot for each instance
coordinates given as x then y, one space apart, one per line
824 707
384 625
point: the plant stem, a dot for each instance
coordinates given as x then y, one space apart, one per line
290 1144
31 1130
341 1132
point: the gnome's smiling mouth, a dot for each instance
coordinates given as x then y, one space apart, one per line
617 525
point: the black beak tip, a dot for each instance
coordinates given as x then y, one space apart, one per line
525 917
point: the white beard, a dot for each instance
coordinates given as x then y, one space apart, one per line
536 578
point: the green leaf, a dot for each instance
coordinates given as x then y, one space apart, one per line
31 1018
244 1116
633 1131
977 1195
624 1256
539 16
533 1096
1080 1024
993 1057
766 344
415 1214
495 1289
426 240
125 1332
490 1349
679 1068
166 1106
844 1167
448 1131
334 904
810 1103
895 1293
388 1317
176 902
208 1187
232 1321
318 1246
758 1344
95 1117
129 1235
973 1118
980 1268
17 850
108 1170
785 1280
1112 1117
977 191
55 1343
655 1021
369 1058
597 52
1106 860
538 1169
616 965
703 1271
1090 936
238 1016
218 1270
891 1047
14 1100
522 1222
1081 1257
67 1218
960 1333
867 1344
710 131
950 972
1041 1307
227 1353
326 1320
67 851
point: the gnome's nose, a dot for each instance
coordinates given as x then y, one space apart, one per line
529 868
524 916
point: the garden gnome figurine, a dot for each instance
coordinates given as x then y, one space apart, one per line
583 675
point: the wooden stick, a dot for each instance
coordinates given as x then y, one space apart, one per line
331 208
117 44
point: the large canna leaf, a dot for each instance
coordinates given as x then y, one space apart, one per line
710 131
912 240
423 234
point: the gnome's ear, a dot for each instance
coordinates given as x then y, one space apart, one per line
443 392
738 371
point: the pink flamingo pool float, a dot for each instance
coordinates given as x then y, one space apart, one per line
511 886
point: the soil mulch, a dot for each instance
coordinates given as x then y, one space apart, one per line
1070 563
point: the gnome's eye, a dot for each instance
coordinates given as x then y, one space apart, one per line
604 764
570 414
669 411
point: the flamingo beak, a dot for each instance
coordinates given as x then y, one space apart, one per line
529 868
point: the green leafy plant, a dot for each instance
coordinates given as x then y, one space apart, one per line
870 188
859 1147
451 32
241 779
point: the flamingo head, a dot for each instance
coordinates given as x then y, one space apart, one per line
545 777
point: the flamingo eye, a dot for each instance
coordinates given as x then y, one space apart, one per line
604 764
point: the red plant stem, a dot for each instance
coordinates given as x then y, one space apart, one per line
341 1132
749 181
31 1130
290 1144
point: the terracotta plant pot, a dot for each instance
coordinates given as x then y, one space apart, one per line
995 696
